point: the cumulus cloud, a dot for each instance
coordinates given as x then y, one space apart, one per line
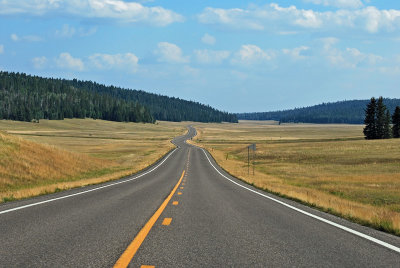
250 54
347 58
1 49
127 61
117 10
338 3
233 18
28 38
208 39
281 19
170 53
206 56
296 53
39 62
66 61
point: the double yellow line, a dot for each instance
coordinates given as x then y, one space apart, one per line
130 252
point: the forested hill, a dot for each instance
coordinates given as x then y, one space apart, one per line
25 97
343 112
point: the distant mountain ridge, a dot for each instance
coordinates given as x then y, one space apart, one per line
341 112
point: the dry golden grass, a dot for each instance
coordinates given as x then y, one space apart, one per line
55 155
329 166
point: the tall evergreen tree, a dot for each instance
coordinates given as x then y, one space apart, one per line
396 123
387 130
380 119
370 120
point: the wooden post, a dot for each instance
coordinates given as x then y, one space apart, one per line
248 161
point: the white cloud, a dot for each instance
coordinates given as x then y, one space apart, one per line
348 58
206 56
14 37
66 61
286 19
66 31
28 38
39 62
208 39
87 31
1 49
250 54
337 3
170 53
358 57
296 53
233 18
117 10
127 61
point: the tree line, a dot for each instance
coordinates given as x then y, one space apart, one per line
25 98
342 112
162 107
379 124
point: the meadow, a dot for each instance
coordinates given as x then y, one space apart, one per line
45 157
331 167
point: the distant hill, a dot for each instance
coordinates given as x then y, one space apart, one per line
25 97
342 112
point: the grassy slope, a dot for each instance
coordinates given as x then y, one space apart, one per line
329 166
53 155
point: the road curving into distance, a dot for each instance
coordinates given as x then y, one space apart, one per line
184 211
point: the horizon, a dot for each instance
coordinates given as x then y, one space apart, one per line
236 56
284 109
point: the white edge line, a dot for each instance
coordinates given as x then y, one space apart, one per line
91 190
370 238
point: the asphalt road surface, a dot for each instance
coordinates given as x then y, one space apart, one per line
184 211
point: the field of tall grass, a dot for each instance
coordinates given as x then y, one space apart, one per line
56 155
327 166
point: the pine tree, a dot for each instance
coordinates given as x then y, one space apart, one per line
370 120
380 119
396 123
387 128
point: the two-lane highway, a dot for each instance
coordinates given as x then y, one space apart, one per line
183 212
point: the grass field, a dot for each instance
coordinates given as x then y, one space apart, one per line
55 155
328 166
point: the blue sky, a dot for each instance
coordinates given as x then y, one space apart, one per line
238 56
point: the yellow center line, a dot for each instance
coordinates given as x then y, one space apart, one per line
147 266
130 252
175 203
179 193
167 221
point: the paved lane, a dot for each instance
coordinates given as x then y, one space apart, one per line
86 230
209 221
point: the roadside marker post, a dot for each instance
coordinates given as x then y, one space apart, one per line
252 147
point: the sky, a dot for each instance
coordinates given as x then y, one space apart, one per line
236 55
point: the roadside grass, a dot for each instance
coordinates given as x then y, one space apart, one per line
326 166
52 156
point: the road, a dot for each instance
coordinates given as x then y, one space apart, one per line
184 211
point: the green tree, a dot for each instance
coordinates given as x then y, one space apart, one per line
370 120
387 128
396 123
380 119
